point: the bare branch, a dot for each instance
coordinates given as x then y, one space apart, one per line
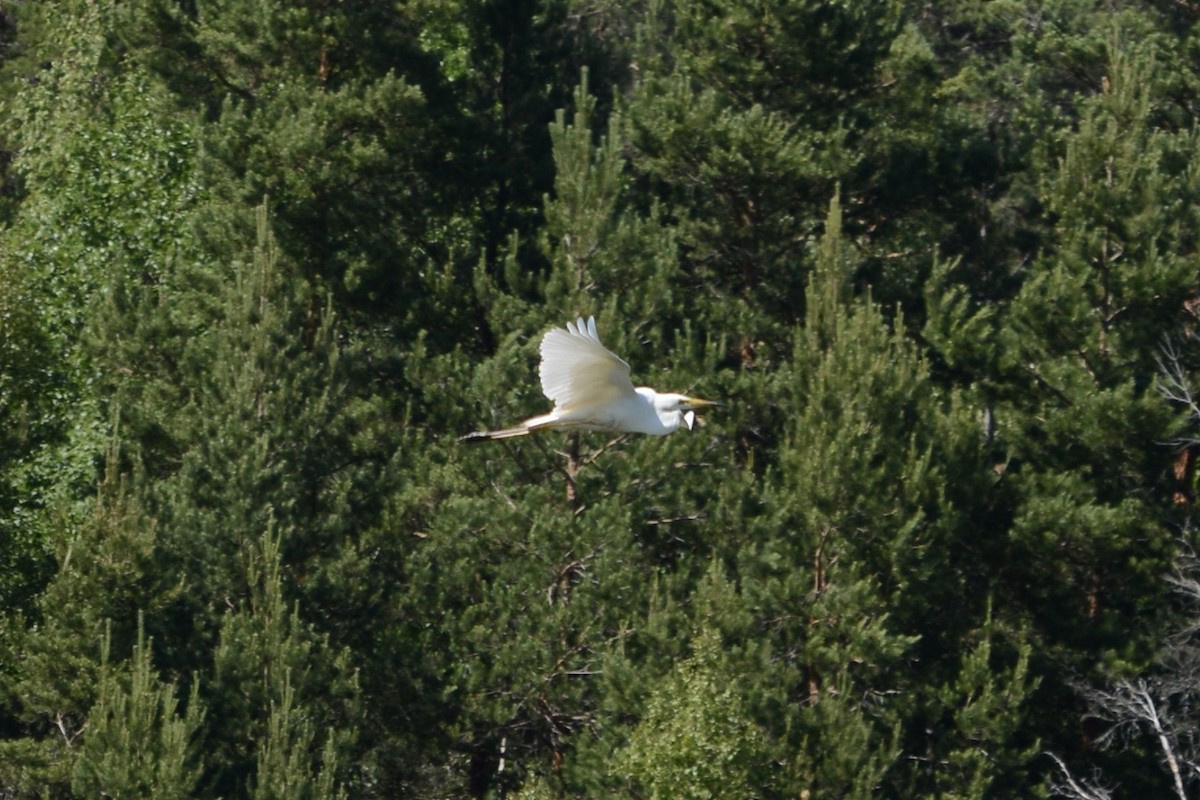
1068 786
1174 385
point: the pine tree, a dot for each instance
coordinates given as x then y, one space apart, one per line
318 108
59 670
987 754
284 699
257 443
837 536
1082 423
862 547
1062 379
136 743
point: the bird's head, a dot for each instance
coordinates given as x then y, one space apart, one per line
679 408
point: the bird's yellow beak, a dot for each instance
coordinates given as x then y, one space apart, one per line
689 406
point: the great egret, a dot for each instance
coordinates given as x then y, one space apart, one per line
591 390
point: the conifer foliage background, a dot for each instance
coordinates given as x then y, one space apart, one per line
262 262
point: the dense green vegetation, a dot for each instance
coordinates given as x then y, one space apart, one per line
262 261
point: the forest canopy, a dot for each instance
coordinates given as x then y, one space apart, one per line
262 262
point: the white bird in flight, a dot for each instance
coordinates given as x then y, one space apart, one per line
591 390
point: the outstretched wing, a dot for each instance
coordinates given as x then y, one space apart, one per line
578 370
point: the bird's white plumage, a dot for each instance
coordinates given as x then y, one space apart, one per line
578 370
591 390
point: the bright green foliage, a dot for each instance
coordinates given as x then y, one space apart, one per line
103 206
696 740
27 422
107 202
137 744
